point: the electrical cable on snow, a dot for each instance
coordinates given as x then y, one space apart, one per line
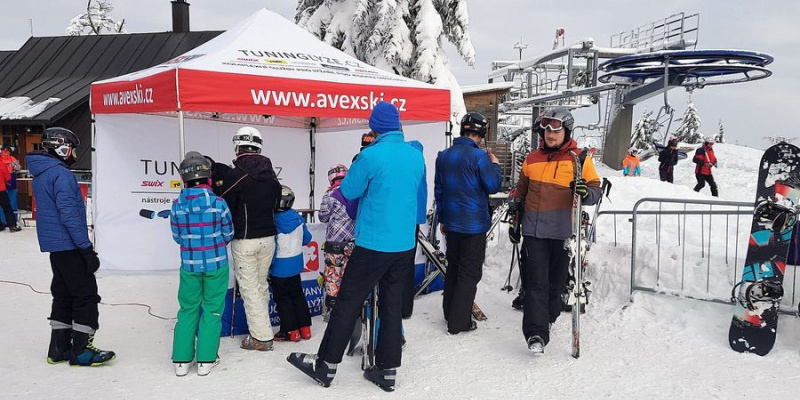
149 308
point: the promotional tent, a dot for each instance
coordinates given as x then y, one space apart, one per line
309 100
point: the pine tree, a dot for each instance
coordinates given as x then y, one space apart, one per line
690 123
642 138
401 36
96 20
720 136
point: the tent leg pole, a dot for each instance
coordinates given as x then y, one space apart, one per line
182 145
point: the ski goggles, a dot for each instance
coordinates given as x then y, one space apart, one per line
554 125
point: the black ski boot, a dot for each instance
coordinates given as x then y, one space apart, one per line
319 370
84 353
60 346
384 378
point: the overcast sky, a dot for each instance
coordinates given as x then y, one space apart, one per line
749 111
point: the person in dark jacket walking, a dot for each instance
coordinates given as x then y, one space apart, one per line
546 188
465 177
252 192
387 178
705 159
667 159
62 231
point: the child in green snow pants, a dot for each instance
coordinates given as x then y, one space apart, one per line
206 291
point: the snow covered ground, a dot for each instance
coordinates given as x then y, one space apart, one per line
656 347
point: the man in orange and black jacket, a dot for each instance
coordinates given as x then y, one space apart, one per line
545 188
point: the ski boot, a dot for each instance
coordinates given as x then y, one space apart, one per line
317 369
251 343
536 345
182 368
305 332
383 378
293 336
60 346
84 354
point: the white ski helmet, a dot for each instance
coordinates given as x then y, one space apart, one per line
247 140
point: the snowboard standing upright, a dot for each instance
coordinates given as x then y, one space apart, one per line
758 295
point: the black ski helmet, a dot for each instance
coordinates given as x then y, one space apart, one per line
195 167
559 114
474 123
287 198
59 141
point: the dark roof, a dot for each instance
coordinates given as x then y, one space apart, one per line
65 66
4 55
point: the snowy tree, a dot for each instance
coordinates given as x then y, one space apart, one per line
720 136
690 123
642 138
401 36
97 20
777 139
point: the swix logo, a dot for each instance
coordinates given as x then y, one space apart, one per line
153 183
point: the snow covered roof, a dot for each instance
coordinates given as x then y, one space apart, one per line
50 76
487 87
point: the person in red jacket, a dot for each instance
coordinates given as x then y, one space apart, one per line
705 159
5 201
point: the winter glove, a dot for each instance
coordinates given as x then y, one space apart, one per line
579 187
90 256
514 233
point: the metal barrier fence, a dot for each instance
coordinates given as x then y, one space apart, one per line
704 262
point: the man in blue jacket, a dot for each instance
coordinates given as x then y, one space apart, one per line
388 180
465 177
62 231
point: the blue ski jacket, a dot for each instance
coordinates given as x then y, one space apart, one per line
465 177
388 179
60 210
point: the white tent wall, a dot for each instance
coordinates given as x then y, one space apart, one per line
135 154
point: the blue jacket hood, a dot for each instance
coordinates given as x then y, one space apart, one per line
197 199
40 162
287 221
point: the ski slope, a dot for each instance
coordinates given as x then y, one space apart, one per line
655 347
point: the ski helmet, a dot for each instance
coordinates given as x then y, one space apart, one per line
673 142
287 198
632 151
60 141
474 123
336 173
709 140
247 140
557 118
195 167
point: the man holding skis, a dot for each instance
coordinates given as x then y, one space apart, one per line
465 177
546 188
388 179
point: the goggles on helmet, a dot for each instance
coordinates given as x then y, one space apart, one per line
554 125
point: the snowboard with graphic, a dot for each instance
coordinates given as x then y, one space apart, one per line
758 295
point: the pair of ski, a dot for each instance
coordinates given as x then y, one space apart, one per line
758 295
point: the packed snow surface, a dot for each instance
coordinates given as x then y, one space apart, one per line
654 347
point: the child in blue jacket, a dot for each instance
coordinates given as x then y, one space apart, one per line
287 287
201 224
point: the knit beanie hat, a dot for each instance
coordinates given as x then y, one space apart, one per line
384 118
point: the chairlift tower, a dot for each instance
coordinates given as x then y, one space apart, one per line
639 63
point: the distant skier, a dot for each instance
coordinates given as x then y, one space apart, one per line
201 224
386 178
546 186
8 164
631 165
667 159
465 177
62 231
705 159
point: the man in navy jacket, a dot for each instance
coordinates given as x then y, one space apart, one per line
465 177
62 231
